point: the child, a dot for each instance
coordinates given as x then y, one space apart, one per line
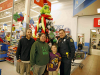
55 61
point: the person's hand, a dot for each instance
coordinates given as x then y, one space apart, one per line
19 60
57 69
47 69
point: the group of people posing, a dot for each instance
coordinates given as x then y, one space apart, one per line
41 57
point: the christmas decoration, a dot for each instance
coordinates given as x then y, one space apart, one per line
21 14
16 16
45 24
31 21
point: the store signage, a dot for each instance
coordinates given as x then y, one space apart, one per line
99 22
40 3
58 27
5 5
96 22
78 3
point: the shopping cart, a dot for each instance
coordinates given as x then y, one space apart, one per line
79 55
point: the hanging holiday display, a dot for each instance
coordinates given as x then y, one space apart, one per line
45 24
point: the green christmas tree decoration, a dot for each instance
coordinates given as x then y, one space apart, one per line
16 16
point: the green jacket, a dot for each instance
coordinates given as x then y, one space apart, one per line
39 54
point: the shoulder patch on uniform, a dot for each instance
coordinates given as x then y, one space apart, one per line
67 37
71 40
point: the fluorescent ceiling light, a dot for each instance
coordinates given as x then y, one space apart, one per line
15 0
6 17
23 12
7 12
35 16
35 7
34 11
98 10
35 21
8 25
5 22
54 1
93 30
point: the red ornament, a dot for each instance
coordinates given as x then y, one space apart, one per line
47 30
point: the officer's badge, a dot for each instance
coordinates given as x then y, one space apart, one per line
71 40
64 39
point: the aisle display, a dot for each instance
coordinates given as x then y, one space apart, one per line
3 51
11 53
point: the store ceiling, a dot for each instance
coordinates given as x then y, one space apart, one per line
19 6
90 10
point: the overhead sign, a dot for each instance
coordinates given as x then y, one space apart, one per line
40 3
5 5
58 27
96 22
78 3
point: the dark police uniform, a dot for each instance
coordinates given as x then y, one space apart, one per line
66 44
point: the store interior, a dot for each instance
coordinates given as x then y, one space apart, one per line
63 18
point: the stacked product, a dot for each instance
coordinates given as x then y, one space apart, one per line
11 53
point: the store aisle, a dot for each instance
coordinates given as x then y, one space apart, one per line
91 66
7 68
10 69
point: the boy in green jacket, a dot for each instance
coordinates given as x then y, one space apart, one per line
39 55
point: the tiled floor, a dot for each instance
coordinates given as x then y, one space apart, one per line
91 66
10 69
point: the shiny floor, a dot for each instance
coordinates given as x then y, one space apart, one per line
91 66
95 52
10 69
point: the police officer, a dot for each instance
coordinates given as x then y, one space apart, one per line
67 50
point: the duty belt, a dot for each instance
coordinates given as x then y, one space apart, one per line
66 55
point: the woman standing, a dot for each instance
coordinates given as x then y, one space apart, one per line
39 56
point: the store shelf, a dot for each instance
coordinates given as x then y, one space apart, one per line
11 53
2 60
10 62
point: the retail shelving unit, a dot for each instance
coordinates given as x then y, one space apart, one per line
3 52
11 53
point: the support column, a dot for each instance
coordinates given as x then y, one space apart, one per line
27 14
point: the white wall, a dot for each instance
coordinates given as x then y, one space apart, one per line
62 14
85 23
